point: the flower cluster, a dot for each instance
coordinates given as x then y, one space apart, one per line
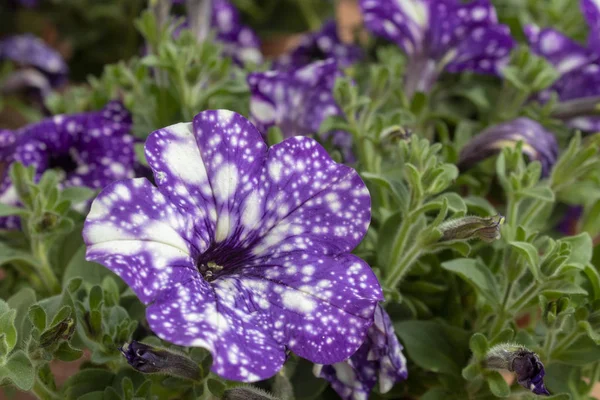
237 250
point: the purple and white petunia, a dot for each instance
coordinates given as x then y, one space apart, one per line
578 65
92 149
440 35
241 249
320 45
298 101
538 143
30 51
380 356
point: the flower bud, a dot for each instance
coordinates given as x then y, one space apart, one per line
61 331
472 227
524 363
247 393
150 360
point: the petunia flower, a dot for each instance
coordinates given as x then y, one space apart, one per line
524 363
241 249
239 41
320 45
92 149
441 35
298 101
380 356
538 144
578 65
28 50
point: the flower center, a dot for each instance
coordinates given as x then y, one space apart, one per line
63 161
209 270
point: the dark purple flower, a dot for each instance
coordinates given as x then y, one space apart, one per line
440 35
380 356
30 51
321 45
298 101
524 363
241 249
149 360
538 144
92 149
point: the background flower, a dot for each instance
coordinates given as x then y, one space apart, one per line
241 249
443 35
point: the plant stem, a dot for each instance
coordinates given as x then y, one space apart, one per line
44 270
566 342
527 295
42 392
401 267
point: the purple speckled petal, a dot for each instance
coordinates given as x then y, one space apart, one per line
297 101
137 233
538 144
564 53
320 45
223 270
380 356
591 12
29 50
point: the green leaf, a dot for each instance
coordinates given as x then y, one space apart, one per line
436 393
477 275
498 385
67 353
37 316
21 301
582 248
530 254
6 210
480 206
18 370
582 352
543 193
434 346
592 334
557 289
594 278
91 273
216 387
479 345
7 327
86 381
77 194
471 371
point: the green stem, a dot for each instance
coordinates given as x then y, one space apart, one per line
512 216
532 212
42 392
402 267
44 268
527 295
565 342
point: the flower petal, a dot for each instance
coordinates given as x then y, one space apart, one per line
564 53
134 231
310 203
321 306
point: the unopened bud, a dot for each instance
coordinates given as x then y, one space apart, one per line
247 393
150 360
472 227
524 363
61 331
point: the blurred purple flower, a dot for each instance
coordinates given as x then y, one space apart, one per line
298 101
441 35
380 356
240 248
538 144
578 65
239 41
320 45
92 149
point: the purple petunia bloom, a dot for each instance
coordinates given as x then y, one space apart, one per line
298 101
379 356
440 35
241 249
92 149
239 41
538 144
320 45
579 66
